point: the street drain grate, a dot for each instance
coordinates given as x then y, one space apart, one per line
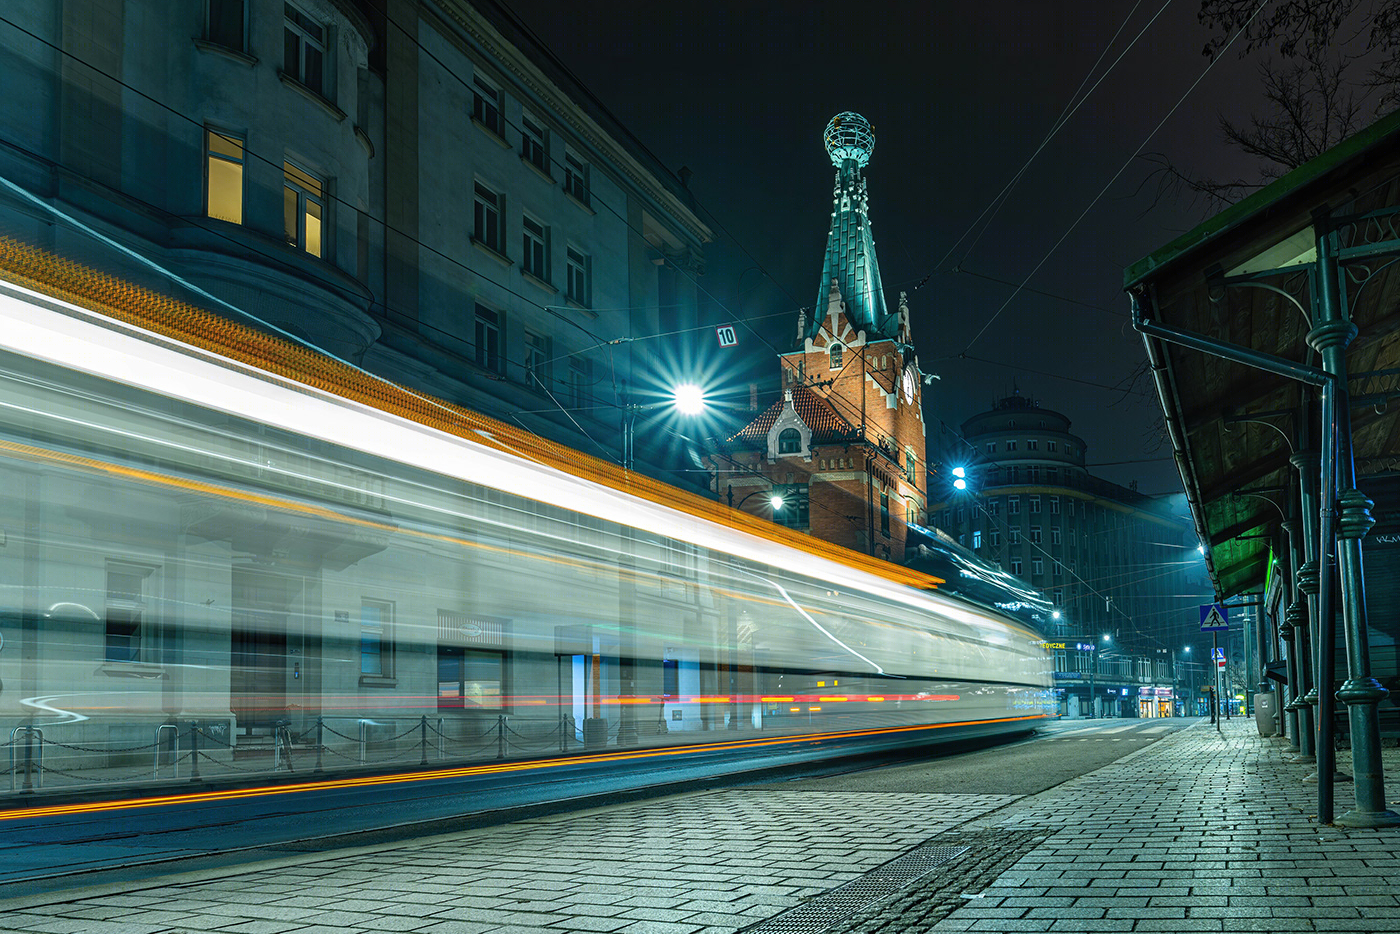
845 900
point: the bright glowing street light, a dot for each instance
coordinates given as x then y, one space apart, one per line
1055 614
689 399
776 502
959 478
1201 550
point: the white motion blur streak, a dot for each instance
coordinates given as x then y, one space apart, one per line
36 326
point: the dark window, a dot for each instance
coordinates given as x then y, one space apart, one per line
488 338
576 176
536 258
486 105
487 215
376 639
304 55
126 610
885 512
790 441
227 22
532 143
670 677
578 265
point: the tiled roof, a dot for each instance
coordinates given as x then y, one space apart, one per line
814 410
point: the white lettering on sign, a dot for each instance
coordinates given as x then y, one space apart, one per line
1390 538
728 337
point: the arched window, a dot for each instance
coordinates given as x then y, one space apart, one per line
790 441
836 351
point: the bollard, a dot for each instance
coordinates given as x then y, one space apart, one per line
423 741
28 786
319 744
501 736
194 752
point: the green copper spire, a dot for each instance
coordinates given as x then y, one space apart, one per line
850 248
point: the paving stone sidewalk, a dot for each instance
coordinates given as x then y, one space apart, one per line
707 863
1203 831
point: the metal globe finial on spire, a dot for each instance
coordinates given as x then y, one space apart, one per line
849 136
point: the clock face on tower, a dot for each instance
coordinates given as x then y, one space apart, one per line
911 383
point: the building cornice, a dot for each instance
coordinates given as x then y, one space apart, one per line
506 55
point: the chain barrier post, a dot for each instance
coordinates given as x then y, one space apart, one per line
319 744
501 736
28 786
423 740
194 752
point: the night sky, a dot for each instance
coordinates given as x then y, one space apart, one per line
960 96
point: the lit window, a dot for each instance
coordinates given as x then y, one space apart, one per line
486 105
487 211
836 354
790 441
532 143
576 176
126 610
224 177
304 49
228 24
488 338
976 539
536 259
578 265
303 209
376 639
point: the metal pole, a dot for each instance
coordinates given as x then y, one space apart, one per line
1361 692
1215 695
1306 626
320 744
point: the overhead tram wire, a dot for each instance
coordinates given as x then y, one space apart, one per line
1071 107
1116 175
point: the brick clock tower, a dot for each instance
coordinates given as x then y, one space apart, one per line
844 447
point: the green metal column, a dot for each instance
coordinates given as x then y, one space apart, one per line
1306 623
1361 692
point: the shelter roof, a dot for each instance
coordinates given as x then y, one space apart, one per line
1246 277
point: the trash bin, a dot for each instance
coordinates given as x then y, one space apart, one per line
1266 713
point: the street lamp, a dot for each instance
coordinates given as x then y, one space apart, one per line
686 398
960 478
775 500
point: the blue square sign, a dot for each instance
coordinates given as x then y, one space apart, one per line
1215 617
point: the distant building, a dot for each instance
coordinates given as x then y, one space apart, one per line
1114 561
844 447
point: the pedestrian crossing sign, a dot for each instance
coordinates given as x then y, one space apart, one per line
1215 617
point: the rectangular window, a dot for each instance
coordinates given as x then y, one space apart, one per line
1054 534
488 338
303 209
470 679
1054 505
994 538
1052 475
537 360
486 105
1071 507
1035 535
1013 475
1013 505
961 515
1034 472
532 143
1013 535
536 258
977 539
578 264
580 382
376 639
885 512
911 466
993 507
1016 566
1059 598
576 176
795 512
991 447
223 182
1031 445
1037 566
228 24
488 210
1059 571
126 612
1010 446
1035 505
1050 446
304 51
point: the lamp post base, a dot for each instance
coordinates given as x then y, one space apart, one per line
1359 818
